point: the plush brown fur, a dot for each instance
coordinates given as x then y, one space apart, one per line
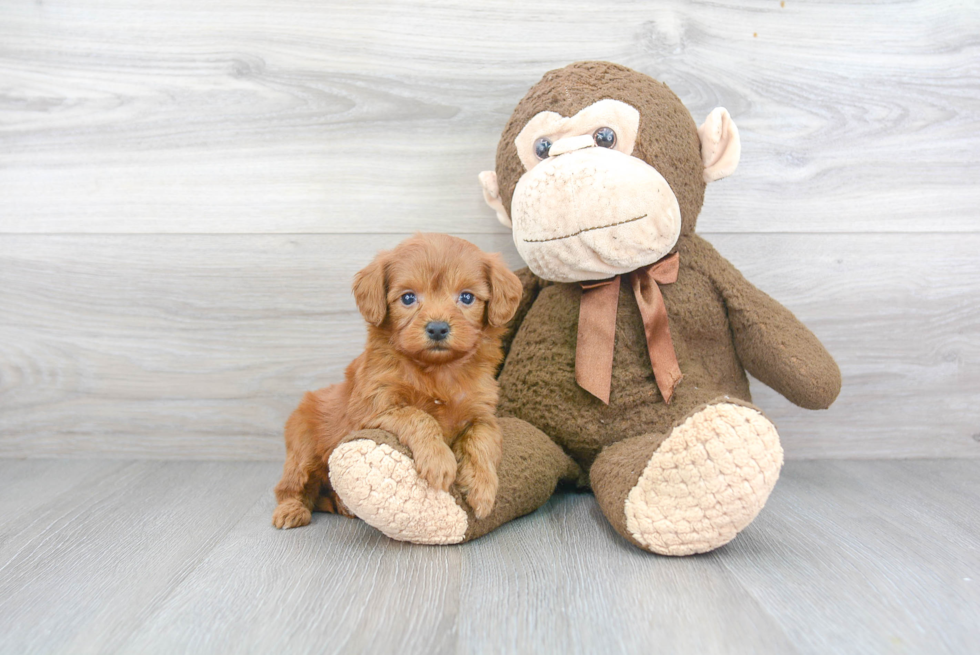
437 397
721 326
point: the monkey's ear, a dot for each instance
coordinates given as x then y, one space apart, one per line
720 145
505 291
370 290
491 194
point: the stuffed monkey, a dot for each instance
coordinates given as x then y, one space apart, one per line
625 366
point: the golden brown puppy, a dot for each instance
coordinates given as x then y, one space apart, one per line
436 307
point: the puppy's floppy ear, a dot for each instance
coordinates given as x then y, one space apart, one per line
371 290
505 291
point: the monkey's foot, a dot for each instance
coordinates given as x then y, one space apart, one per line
381 485
702 485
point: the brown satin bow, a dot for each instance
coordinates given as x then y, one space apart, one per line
597 329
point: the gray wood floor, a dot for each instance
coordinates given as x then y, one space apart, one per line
106 556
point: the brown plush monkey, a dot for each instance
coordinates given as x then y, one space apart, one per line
630 346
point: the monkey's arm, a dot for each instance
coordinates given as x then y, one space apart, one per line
772 344
532 285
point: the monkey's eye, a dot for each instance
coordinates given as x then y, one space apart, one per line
466 298
604 137
541 147
408 299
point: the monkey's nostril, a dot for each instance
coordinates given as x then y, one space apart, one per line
437 330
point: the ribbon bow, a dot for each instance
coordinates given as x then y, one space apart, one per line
597 329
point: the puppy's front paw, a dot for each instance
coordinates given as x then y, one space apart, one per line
437 465
479 487
291 514
481 499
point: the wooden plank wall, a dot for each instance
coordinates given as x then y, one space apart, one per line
186 189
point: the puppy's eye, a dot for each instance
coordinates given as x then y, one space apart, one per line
408 299
466 298
604 137
541 147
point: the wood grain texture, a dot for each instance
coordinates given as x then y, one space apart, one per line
200 346
847 557
28 485
300 116
612 596
337 587
887 549
89 565
187 188
529 588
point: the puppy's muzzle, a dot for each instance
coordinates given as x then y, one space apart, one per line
437 330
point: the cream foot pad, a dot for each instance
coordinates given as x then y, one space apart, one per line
707 481
383 489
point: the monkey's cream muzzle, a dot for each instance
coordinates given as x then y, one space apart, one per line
588 213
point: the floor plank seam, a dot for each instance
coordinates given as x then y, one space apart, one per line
179 581
57 500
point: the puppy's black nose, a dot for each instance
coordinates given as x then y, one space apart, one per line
437 330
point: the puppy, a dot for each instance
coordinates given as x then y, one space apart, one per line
436 307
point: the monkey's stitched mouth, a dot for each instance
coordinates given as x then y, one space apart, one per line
585 229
